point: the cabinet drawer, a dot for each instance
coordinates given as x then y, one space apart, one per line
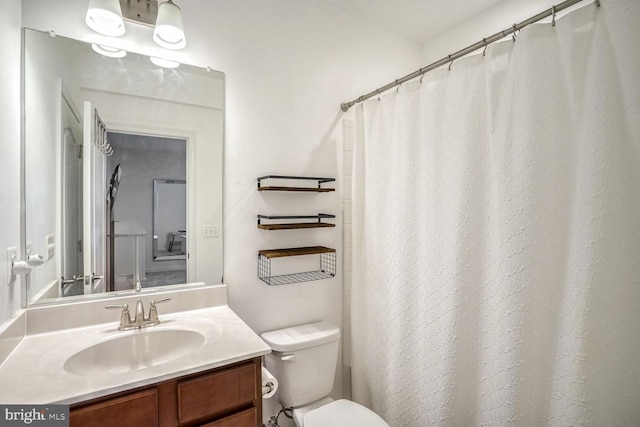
135 409
216 393
246 418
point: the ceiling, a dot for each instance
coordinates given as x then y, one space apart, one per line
419 20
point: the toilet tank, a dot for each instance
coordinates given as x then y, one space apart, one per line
304 361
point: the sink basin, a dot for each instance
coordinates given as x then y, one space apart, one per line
139 349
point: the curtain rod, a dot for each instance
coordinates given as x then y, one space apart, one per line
467 50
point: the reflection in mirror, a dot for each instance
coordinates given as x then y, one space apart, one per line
110 168
138 160
169 219
71 188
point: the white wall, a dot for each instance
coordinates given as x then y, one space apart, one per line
10 293
349 139
289 65
493 20
42 102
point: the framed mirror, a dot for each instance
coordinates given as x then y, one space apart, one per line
113 148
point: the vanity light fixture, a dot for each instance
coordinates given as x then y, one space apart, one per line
105 17
169 31
109 51
164 63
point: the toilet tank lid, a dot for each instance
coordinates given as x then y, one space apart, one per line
300 337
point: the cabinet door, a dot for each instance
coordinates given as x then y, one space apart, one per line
138 409
246 418
216 393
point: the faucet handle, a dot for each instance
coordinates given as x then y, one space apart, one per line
117 307
125 317
153 311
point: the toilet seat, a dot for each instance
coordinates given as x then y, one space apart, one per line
343 413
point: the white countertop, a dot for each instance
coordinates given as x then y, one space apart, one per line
34 372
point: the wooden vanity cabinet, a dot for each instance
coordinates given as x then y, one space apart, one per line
224 397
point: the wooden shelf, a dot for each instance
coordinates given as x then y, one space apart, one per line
295 225
309 250
327 268
299 189
318 189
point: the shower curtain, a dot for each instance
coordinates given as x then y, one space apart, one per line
496 234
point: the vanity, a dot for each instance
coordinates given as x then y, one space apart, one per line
198 366
223 397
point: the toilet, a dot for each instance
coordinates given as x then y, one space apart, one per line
304 361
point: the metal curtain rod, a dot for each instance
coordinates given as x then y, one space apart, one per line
467 50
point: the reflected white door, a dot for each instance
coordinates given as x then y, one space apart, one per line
70 266
72 261
94 204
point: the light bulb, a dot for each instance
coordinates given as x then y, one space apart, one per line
109 51
164 63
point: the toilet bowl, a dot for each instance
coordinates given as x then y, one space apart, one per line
304 360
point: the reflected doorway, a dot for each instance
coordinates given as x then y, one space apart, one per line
141 161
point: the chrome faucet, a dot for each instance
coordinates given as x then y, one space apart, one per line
139 321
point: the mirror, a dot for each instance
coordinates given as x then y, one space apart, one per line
113 148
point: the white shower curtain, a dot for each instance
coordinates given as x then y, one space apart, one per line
496 245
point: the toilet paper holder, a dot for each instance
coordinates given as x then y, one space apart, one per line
268 388
269 384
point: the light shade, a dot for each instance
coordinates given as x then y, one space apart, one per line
164 63
169 31
105 17
111 52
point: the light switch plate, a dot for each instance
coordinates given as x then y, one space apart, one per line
50 246
210 230
12 255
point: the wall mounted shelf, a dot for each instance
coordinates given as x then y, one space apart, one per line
295 225
327 265
279 222
318 189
